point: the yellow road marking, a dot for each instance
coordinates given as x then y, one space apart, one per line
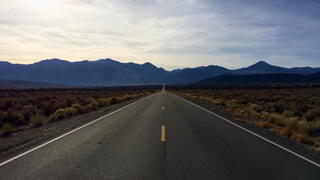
163 133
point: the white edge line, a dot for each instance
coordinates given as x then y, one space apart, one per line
257 135
70 132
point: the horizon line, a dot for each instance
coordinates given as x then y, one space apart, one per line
158 66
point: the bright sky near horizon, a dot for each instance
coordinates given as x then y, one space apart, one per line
170 34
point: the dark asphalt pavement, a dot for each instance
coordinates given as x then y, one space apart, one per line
127 145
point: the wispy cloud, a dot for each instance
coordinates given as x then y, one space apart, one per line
177 33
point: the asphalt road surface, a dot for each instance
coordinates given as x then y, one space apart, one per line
161 136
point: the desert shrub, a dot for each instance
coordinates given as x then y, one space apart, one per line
293 113
15 117
312 114
68 102
2 118
29 111
114 100
36 121
285 132
251 113
264 124
317 142
302 138
304 127
6 129
93 105
90 100
288 113
79 108
316 125
63 113
123 98
19 107
302 109
48 108
278 108
6 104
102 102
70 111
292 122
232 105
58 114
273 117
239 112
128 97
255 107
217 102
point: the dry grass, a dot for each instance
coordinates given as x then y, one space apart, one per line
293 113
29 108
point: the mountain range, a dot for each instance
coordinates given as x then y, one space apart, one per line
108 72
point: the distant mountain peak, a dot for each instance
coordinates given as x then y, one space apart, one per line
263 67
52 61
4 62
261 64
108 60
148 64
215 67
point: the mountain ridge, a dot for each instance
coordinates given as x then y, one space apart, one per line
109 72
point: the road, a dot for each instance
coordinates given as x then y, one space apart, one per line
159 137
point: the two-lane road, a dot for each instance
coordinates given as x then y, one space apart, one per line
159 137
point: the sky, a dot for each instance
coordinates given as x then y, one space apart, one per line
168 33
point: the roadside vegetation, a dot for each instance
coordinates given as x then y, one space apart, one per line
293 113
21 109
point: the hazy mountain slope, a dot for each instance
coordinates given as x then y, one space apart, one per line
189 75
195 74
262 79
5 83
262 67
84 73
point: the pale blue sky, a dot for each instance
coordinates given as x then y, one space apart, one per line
171 34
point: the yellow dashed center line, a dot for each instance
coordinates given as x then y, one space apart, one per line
163 133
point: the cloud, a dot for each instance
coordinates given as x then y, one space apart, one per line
186 32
